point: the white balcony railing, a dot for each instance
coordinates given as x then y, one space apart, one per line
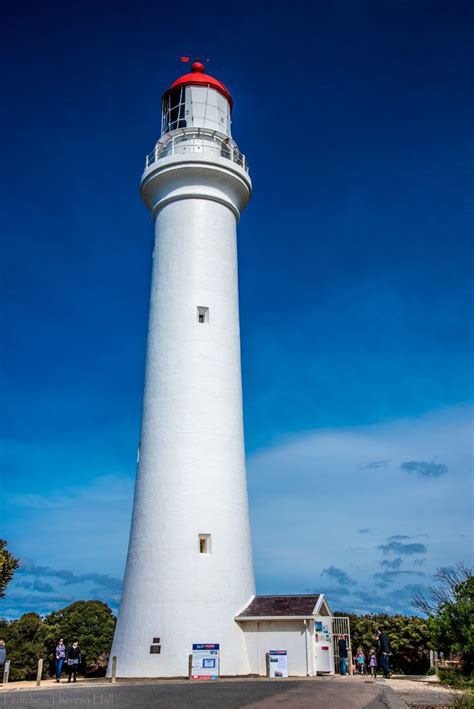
196 140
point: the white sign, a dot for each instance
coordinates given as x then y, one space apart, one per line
278 663
205 663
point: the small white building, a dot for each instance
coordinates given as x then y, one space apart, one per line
301 625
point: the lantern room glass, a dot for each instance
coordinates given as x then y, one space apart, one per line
195 107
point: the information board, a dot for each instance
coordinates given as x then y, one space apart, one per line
205 664
278 663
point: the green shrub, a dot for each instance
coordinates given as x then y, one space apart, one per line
463 700
25 639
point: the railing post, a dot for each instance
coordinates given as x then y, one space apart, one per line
6 672
113 678
40 672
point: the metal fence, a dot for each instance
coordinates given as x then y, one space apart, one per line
341 626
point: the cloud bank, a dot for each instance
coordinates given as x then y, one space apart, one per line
399 548
427 470
338 575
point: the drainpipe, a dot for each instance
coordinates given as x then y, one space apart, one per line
258 649
306 645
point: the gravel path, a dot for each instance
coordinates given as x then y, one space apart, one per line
421 694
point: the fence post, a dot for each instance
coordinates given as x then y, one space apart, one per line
113 679
6 672
40 672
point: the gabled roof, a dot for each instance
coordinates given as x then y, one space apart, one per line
302 606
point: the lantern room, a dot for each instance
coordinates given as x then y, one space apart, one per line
197 100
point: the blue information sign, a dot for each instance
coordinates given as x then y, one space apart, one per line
205 664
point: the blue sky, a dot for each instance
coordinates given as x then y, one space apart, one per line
355 265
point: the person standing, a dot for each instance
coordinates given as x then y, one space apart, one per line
342 645
3 658
373 664
73 659
59 656
384 651
360 661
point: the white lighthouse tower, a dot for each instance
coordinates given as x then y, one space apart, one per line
189 566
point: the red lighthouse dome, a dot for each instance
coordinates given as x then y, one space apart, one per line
198 77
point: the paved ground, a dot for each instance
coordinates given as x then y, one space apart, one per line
318 693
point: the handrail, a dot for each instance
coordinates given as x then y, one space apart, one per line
196 140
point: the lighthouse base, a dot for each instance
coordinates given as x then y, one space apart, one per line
140 653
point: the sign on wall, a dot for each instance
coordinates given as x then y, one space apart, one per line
205 664
278 663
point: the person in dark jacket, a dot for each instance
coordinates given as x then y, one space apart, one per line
342 645
384 652
73 660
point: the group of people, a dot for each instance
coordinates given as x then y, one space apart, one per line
379 656
361 665
70 656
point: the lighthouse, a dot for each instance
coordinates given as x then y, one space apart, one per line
189 568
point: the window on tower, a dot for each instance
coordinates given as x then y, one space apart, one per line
204 543
202 314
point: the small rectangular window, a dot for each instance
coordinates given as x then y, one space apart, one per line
204 543
202 314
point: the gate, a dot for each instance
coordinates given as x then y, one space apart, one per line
341 626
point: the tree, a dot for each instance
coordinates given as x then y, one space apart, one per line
25 640
450 611
8 566
92 624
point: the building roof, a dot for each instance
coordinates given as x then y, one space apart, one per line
280 606
197 77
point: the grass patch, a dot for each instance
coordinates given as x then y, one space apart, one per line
455 679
